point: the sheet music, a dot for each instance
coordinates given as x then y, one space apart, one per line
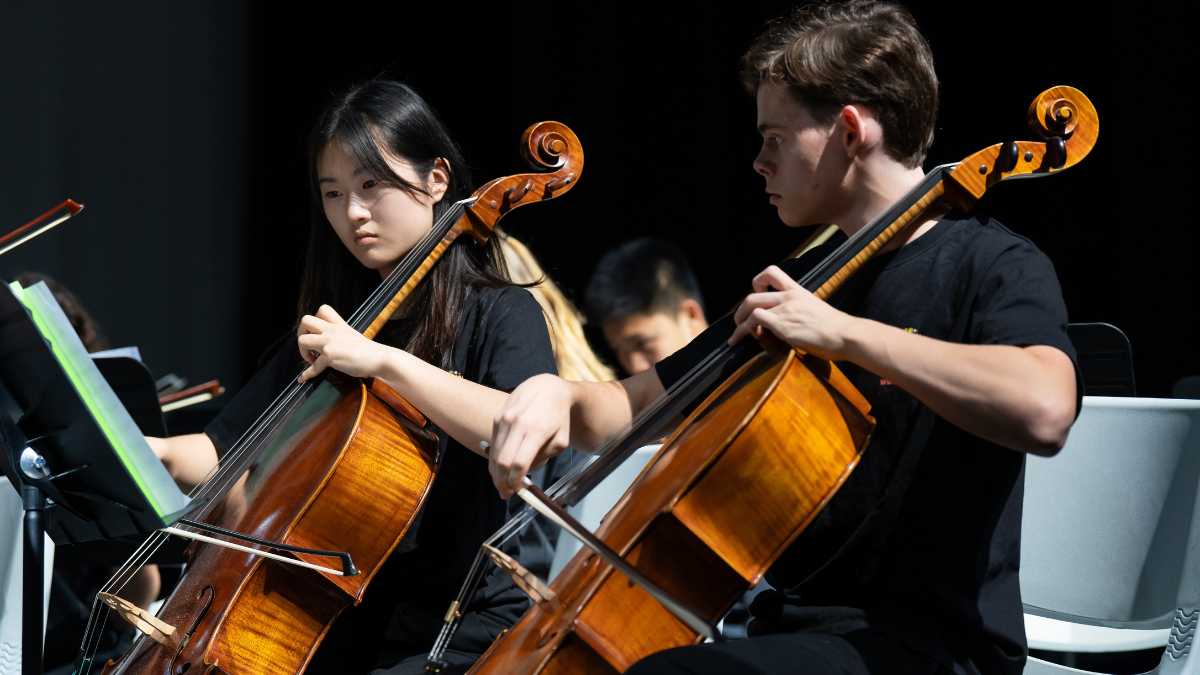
118 353
135 454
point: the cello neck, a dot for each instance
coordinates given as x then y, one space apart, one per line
918 205
383 302
826 277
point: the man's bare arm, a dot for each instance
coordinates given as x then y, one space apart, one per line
547 413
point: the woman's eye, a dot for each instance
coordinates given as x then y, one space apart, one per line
370 184
332 194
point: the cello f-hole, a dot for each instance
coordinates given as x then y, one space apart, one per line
205 596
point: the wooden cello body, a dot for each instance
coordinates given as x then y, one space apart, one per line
723 498
365 470
749 469
337 465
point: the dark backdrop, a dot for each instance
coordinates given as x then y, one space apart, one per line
181 126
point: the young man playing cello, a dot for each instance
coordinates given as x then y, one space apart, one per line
956 336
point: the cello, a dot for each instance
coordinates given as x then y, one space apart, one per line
334 468
749 468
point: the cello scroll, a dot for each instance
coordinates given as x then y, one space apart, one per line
548 145
1063 116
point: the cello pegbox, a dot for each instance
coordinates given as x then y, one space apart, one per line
1066 121
554 151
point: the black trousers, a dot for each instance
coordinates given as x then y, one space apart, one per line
862 652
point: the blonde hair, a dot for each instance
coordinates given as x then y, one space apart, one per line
572 355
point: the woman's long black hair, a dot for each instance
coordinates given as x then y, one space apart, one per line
389 114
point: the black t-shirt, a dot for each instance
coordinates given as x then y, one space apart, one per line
502 341
923 540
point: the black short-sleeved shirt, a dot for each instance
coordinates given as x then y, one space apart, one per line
924 538
501 342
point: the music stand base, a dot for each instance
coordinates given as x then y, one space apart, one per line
33 501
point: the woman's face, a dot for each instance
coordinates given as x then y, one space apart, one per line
376 221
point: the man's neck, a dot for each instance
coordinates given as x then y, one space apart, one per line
880 186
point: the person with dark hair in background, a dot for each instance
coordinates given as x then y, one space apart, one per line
86 327
647 302
383 168
955 334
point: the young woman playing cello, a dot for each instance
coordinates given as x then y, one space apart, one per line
383 169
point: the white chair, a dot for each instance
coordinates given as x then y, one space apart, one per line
11 552
590 511
1110 543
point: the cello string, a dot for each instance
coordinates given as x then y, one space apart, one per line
503 535
283 405
94 615
472 580
610 454
408 266
95 623
280 406
526 516
613 453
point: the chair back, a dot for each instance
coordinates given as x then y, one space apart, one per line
1105 359
1111 525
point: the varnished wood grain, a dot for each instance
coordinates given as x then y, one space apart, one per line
346 471
801 433
361 470
695 468
575 657
754 464
547 145
271 629
1079 126
925 207
372 495
397 403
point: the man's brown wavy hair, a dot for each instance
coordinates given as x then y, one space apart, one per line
829 55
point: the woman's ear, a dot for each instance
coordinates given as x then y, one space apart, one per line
439 179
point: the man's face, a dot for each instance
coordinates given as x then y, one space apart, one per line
641 340
802 161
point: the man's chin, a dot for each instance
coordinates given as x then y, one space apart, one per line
789 218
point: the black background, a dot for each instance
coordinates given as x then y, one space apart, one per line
181 126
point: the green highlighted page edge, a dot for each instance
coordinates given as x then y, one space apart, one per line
140 462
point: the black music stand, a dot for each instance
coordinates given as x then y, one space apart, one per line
73 483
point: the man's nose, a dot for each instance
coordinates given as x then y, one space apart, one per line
761 166
637 362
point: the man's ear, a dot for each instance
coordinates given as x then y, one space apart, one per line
439 179
858 130
693 315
